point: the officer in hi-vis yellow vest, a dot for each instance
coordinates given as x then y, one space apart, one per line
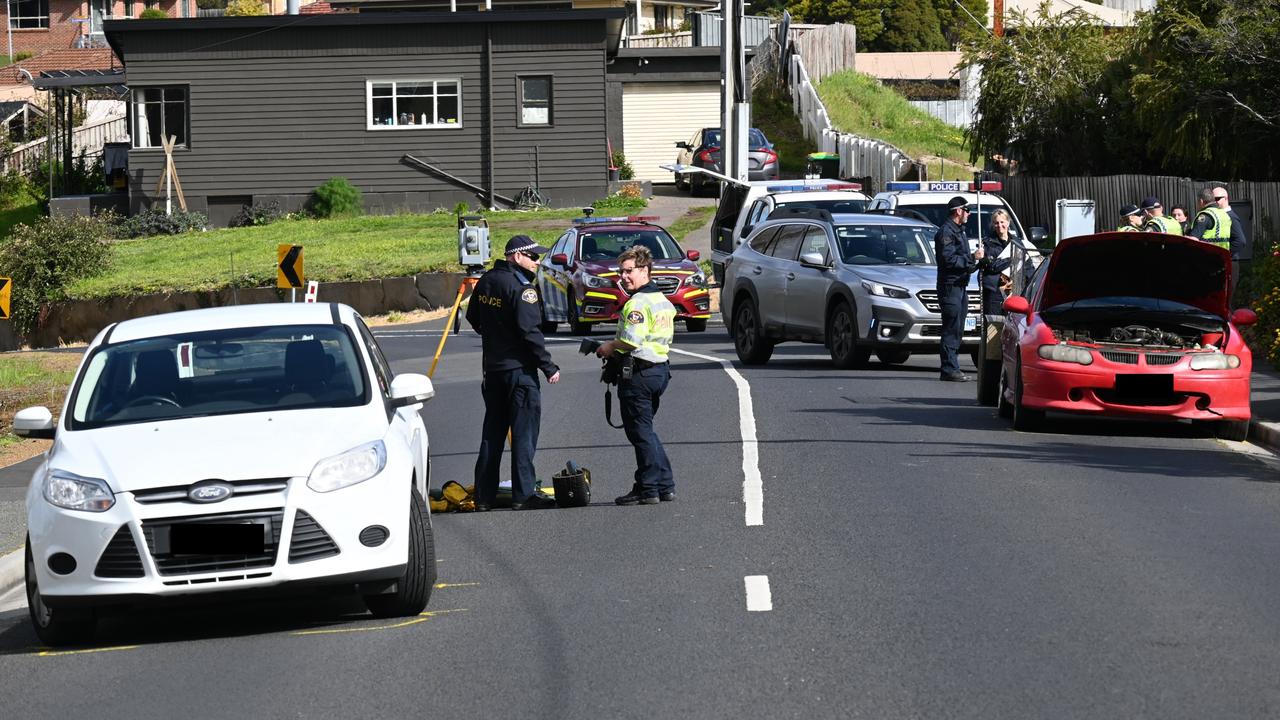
1212 224
1156 219
645 328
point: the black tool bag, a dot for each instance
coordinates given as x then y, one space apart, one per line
573 486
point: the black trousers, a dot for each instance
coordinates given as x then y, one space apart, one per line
512 401
639 399
954 307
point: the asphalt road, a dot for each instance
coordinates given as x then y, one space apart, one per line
922 561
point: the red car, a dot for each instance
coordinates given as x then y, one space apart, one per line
578 279
1128 325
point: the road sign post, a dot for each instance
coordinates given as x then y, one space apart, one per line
289 272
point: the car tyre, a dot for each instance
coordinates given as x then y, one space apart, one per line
55 626
413 589
842 339
1234 430
752 346
1025 419
695 324
575 326
893 357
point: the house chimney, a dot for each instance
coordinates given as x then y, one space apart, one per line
293 7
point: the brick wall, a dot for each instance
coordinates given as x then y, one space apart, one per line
63 31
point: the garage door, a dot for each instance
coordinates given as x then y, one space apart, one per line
655 116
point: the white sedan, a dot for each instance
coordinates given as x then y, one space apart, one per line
226 449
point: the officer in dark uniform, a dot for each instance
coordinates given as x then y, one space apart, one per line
955 265
506 310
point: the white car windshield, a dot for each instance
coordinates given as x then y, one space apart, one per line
608 244
884 244
937 214
219 372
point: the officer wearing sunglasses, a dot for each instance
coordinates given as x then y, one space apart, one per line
506 310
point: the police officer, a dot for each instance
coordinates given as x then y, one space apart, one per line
506 310
645 327
955 265
1130 219
1222 227
1156 220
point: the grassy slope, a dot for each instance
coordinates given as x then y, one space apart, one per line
32 378
771 112
25 209
334 250
858 104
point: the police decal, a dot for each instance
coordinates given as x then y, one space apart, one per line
635 317
529 295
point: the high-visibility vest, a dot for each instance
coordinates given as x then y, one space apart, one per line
647 322
1220 232
1126 228
1165 225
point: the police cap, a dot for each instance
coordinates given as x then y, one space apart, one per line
1150 202
956 202
1128 210
523 243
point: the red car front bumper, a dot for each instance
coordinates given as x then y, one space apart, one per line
1196 395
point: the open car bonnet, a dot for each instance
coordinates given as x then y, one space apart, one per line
1129 264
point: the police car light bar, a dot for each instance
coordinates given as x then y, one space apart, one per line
615 219
950 186
803 187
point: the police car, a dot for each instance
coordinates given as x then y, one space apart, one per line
578 277
745 205
928 200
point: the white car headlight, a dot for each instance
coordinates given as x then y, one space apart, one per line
596 282
351 467
1214 361
1066 353
698 280
882 290
73 492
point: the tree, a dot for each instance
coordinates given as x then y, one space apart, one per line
246 8
961 20
911 26
867 15
1203 85
1041 97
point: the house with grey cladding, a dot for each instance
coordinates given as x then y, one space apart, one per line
268 108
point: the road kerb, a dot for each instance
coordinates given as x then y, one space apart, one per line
11 571
1266 434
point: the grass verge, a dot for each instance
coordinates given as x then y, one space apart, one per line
24 209
859 104
771 111
359 248
692 219
28 379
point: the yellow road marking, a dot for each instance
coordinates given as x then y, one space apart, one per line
425 616
57 653
454 585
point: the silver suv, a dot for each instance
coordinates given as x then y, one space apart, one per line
858 283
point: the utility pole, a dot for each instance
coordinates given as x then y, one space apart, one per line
997 19
735 107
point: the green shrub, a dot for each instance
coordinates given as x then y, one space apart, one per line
155 222
14 189
23 55
336 197
153 14
258 214
629 199
245 8
46 257
619 160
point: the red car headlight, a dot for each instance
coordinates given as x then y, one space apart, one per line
1066 353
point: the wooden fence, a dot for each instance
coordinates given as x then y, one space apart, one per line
87 139
1033 198
827 50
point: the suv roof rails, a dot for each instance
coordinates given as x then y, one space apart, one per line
900 212
796 213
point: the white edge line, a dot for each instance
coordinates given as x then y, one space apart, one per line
759 599
752 484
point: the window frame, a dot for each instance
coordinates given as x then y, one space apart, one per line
551 99
395 82
184 142
43 20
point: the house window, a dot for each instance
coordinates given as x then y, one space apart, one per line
414 103
662 17
28 14
535 99
158 113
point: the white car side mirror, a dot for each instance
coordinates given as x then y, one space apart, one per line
34 422
411 389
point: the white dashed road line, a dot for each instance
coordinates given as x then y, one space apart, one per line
759 599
